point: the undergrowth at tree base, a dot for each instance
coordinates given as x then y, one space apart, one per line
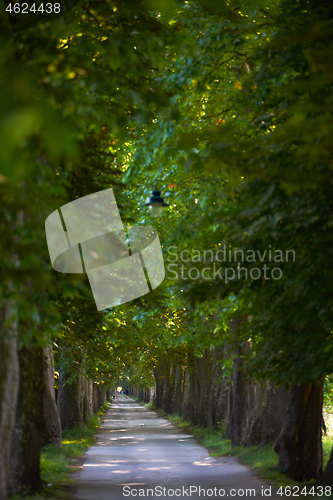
57 464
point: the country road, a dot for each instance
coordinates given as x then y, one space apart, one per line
139 454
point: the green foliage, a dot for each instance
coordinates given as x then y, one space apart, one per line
246 143
75 93
150 406
227 108
54 466
328 394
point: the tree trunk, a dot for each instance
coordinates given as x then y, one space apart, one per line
95 398
90 397
178 389
9 387
274 413
73 401
219 394
327 478
29 423
299 444
163 388
242 397
187 410
100 392
203 383
266 418
242 391
53 424
86 399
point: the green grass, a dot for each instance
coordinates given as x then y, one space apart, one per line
327 447
150 405
56 464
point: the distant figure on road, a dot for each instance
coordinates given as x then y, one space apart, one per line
126 392
324 427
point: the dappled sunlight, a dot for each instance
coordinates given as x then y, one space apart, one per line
121 471
115 430
159 468
75 441
131 484
121 437
202 464
101 465
153 450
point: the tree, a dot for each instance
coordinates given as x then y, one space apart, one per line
262 145
215 104
63 90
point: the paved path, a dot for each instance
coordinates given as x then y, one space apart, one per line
138 454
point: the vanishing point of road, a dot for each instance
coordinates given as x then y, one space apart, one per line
137 453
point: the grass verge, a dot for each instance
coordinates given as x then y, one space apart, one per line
57 464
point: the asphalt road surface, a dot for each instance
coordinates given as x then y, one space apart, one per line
139 454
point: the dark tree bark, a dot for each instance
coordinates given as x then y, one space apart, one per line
95 400
29 423
242 392
203 384
219 394
274 412
53 424
299 444
266 418
178 389
188 398
242 398
86 399
163 387
327 478
9 387
100 396
256 412
73 401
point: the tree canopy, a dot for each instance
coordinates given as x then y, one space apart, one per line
227 108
